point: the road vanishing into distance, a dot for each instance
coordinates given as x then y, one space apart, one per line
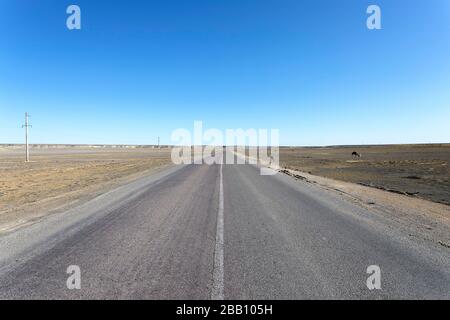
218 232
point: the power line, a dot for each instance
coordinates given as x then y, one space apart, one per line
26 125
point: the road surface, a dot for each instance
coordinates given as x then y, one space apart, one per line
220 232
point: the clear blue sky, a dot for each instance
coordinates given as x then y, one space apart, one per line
139 69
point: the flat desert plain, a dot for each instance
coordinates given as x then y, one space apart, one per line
420 171
60 177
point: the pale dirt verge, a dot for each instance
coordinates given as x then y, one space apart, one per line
58 180
30 213
421 218
416 217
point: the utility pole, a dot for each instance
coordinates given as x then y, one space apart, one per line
158 143
26 125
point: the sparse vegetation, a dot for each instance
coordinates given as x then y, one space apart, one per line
415 170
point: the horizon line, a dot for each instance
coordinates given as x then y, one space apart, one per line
171 145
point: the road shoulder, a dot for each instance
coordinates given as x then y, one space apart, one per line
419 218
30 239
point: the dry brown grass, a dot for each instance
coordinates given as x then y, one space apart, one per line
419 170
54 173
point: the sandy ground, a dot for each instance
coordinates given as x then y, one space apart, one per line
421 171
57 179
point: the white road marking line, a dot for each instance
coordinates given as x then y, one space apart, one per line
217 289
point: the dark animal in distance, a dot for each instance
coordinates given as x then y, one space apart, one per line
356 155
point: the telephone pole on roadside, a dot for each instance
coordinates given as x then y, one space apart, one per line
158 143
26 125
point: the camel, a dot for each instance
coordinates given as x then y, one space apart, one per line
356 155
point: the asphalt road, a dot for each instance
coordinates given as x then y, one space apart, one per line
221 232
